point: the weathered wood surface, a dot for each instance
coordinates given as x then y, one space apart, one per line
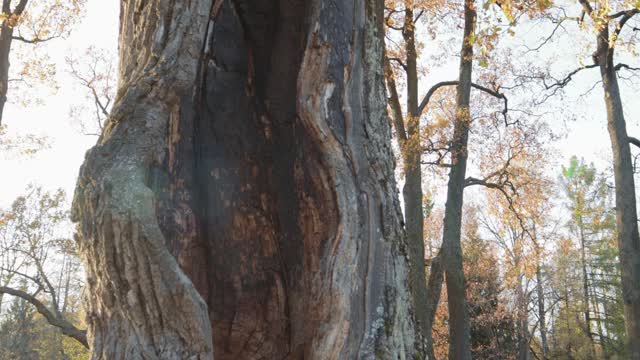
241 202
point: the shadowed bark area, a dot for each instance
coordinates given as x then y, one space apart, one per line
249 151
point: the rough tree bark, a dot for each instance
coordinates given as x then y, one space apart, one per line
626 212
241 200
459 328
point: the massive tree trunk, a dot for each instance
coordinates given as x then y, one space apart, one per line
241 201
626 212
459 328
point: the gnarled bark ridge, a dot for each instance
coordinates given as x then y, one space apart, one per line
241 202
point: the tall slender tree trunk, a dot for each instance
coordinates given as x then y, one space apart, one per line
459 328
541 310
408 135
626 212
585 289
523 321
599 314
567 320
434 291
412 189
6 37
241 201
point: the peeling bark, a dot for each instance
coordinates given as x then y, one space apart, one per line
241 201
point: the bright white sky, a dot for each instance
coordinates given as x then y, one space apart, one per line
58 166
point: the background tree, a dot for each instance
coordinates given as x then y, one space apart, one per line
414 135
493 325
402 55
20 145
609 25
569 339
95 72
589 200
38 266
32 23
17 335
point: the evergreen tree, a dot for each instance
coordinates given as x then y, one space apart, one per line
17 335
492 322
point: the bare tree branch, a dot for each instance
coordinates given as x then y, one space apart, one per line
626 16
394 103
548 38
20 7
434 88
399 62
35 40
625 66
633 141
66 327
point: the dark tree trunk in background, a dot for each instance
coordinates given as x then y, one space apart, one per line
626 212
412 189
6 38
434 291
541 310
585 289
408 136
6 32
459 328
523 335
241 201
